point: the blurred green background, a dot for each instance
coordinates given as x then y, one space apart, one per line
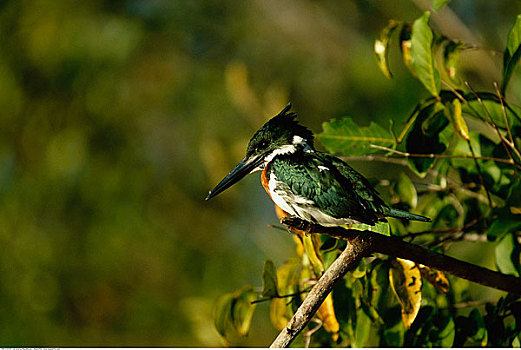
117 117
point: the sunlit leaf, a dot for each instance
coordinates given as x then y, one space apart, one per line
405 47
512 52
381 47
310 247
346 137
326 313
269 279
508 255
360 270
422 58
280 308
405 278
379 227
438 4
242 310
279 313
459 123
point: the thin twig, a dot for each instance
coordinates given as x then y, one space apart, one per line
454 91
446 230
432 155
279 297
309 333
480 173
471 303
511 141
376 158
501 137
504 112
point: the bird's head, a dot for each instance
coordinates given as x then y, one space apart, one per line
282 134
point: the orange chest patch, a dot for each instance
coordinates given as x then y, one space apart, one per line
265 181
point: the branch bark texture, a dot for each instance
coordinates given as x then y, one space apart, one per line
363 243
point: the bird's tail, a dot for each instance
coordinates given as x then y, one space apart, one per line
402 214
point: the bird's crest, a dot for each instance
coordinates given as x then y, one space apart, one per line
286 121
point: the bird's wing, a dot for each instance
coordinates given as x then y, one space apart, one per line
317 179
367 195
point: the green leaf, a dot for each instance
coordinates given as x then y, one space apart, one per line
508 255
447 333
394 330
269 280
493 106
363 327
242 310
422 58
379 227
407 191
451 59
328 244
345 137
381 47
377 286
425 136
506 223
438 4
223 314
512 52
480 333
234 311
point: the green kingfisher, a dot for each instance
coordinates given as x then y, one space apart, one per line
306 184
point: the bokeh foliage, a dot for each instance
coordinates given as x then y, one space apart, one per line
117 116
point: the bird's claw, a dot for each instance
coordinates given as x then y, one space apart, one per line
297 223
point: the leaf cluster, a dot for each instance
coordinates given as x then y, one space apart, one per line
464 146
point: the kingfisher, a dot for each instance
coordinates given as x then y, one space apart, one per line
307 185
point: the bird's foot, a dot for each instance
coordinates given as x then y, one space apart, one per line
297 223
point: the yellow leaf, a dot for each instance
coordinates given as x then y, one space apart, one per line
405 278
459 122
279 313
326 313
314 258
280 309
436 278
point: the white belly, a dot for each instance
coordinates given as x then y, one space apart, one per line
301 207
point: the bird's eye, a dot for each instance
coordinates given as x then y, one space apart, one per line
262 145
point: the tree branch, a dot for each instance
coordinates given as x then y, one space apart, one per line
364 243
357 247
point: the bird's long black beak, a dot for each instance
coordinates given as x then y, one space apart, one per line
241 170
